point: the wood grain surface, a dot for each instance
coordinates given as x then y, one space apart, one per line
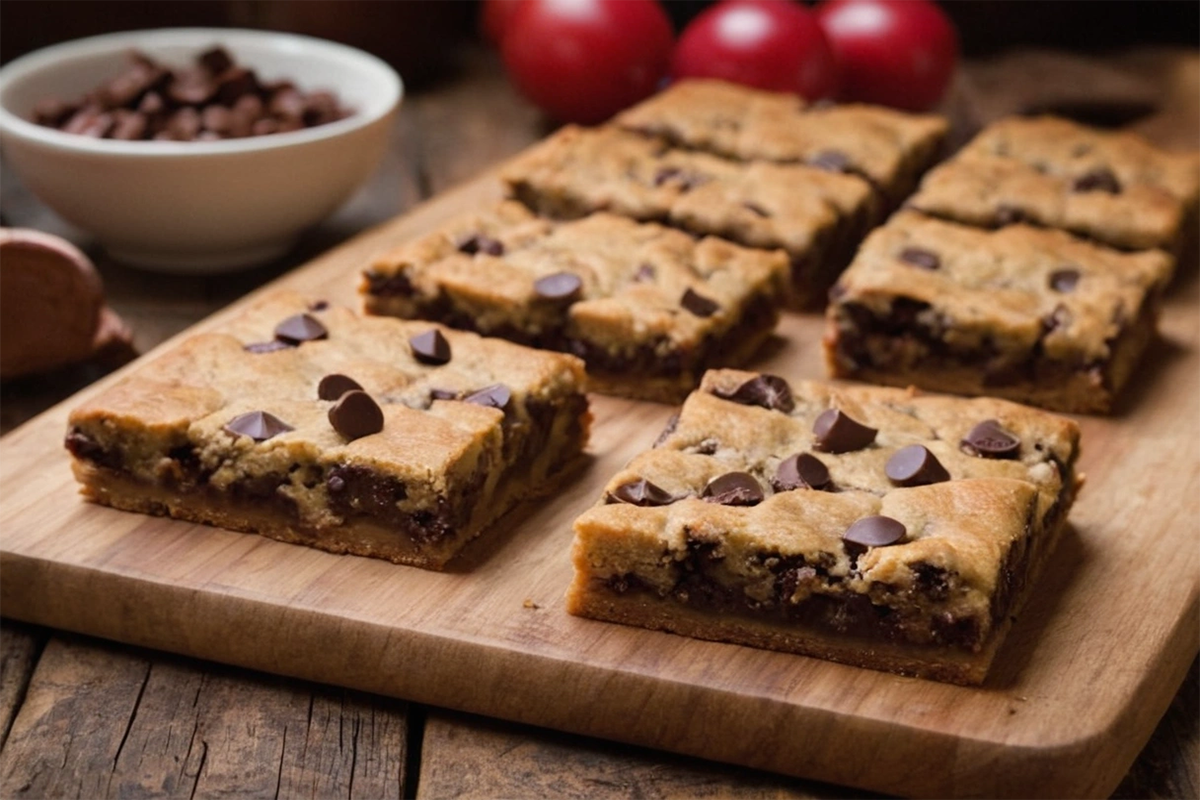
1060 715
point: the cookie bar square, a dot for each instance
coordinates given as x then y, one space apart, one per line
865 525
816 216
890 149
1028 314
1115 188
648 308
308 424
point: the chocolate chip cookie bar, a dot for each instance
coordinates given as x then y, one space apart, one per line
648 308
889 148
1032 315
866 525
308 424
818 217
1115 188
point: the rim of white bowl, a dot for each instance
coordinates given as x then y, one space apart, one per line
390 84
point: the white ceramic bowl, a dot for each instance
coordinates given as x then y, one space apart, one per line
198 206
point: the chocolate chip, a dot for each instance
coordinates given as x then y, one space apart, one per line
769 391
801 471
495 396
287 103
1060 317
756 209
300 328
217 119
90 122
264 127
920 257
258 425
230 96
665 174
1009 215
334 386
989 440
687 180
558 287
478 243
127 88
642 493
876 531
191 88
318 305
839 433
914 465
266 347
442 394
151 104
321 108
830 160
734 489
355 415
53 111
184 124
130 126
645 272
430 347
1100 179
1064 280
698 304
235 83
216 60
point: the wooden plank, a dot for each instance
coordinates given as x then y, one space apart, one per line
469 757
1079 686
105 721
1169 767
20 647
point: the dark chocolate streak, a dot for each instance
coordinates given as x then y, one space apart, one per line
354 491
643 360
856 614
860 329
827 609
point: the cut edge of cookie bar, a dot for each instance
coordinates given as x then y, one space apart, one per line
638 338
776 573
897 318
754 124
1113 187
416 492
754 204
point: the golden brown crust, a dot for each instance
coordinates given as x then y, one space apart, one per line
436 473
628 318
812 214
1023 313
972 542
890 148
1059 174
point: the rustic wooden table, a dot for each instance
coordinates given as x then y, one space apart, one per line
81 717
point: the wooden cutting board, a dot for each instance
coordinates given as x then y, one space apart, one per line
1086 672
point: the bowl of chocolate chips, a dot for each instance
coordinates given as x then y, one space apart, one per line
196 150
